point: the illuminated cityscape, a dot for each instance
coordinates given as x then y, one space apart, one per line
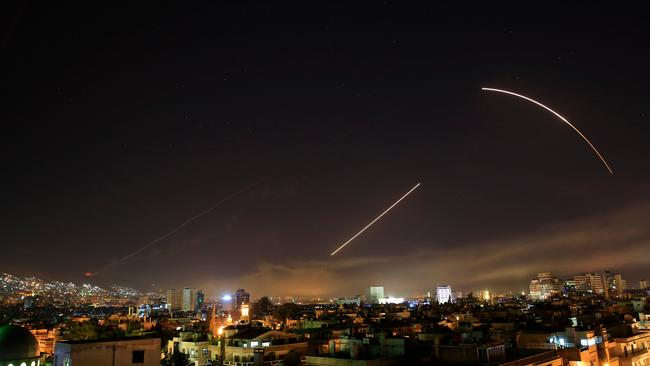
324 183
577 319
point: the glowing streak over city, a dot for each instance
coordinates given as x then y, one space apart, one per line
560 117
207 211
375 220
180 227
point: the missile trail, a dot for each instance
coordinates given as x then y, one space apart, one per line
560 117
375 220
178 228
262 180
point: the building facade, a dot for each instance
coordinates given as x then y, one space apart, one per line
444 294
189 300
545 286
590 282
374 294
174 299
135 351
241 297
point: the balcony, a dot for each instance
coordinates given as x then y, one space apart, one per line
251 363
544 345
635 357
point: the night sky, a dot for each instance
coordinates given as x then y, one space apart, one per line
118 124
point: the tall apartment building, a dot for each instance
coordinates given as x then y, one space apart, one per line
444 294
615 284
174 299
374 294
241 297
189 299
590 282
545 286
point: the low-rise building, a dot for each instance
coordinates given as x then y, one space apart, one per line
357 351
576 347
631 345
108 352
243 345
46 339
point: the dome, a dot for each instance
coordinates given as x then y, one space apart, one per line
17 343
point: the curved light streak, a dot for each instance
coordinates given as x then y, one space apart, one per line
560 117
375 220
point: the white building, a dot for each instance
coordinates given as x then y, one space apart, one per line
444 295
545 286
188 299
391 300
374 294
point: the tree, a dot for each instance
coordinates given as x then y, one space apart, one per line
177 359
292 358
286 311
164 333
262 306
91 329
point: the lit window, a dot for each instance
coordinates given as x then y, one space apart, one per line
33 363
23 364
11 364
266 344
255 343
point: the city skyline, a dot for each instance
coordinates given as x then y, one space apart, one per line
237 146
230 295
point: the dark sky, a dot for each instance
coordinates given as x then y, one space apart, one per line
121 123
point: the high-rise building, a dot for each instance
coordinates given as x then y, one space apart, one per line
374 294
643 284
241 297
485 295
174 299
569 285
615 284
200 299
443 293
544 286
583 282
244 312
621 284
590 282
189 300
